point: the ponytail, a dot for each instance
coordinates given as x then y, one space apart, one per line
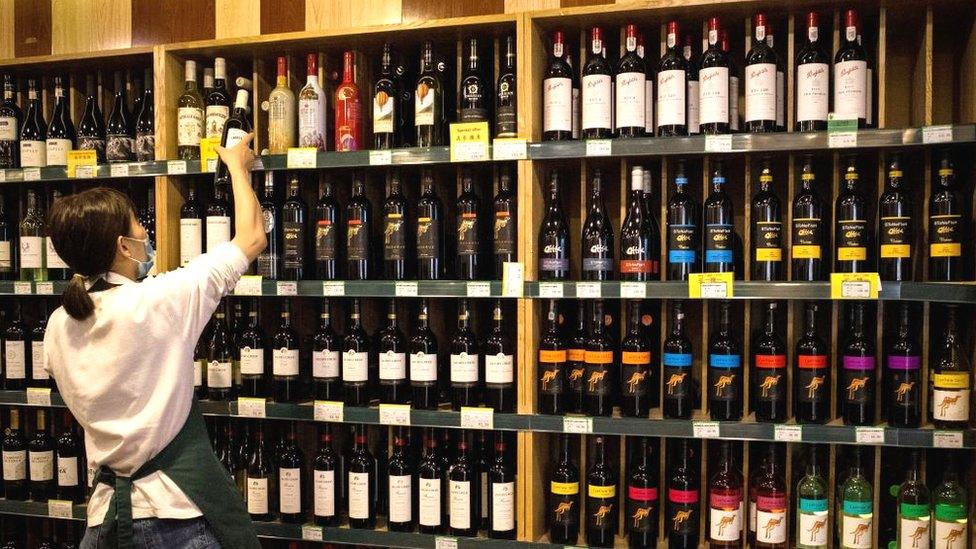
75 299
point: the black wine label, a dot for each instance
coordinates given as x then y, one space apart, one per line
554 256
634 372
677 383
724 384
356 238
770 377
807 238
682 517
394 238
118 148
682 241
904 389
596 378
473 100
504 233
811 379
294 244
601 511
641 513
945 235
467 234
718 243
597 255
506 122
428 238
851 240
564 503
858 386
576 370
145 147
769 241
896 237
92 144
325 241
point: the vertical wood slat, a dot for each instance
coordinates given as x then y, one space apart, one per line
237 18
90 25
167 80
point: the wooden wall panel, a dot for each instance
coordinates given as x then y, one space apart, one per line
282 16
90 25
515 6
575 3
32 27
155 22
421 10
237 18
329 14
6 29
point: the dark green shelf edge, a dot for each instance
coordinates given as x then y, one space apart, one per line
38 509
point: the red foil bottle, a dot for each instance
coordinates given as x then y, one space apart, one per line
348 109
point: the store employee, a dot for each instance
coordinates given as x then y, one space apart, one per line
121 352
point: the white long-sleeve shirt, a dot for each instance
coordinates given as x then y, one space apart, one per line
126 372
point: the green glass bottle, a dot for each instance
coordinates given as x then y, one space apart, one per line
855 516
914 508
950 509
811 506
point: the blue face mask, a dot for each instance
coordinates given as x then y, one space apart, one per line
147 264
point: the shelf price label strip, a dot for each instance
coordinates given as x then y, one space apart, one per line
854 285
710 285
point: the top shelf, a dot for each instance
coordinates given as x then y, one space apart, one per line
547 150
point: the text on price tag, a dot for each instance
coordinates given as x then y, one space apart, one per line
32 174
395 414
788 433
589 290
176 167
301 157
60 509
705 429
509 149
869 435
854 285
118 170
248 285
328 410
479 289
947 439
81 158
310 532
381 158
633 290
710 285
44 288
578 425
936 134
23 288
286 288
599 147
469 142
251 407
333 288
441 542
39 396
718 143
405 289
552 290
477 418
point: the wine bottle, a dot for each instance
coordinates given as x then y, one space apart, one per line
282 117
146 217
252 356
191 227
236 128
14 459
501 488
68 455
33 132
600 366
33 241
189 115
387 104
725 501
812 375
432 481
7 244
326 346
552 365
858 377
672 87
61 133
312 105
355 360
57 269
269 260
946 225
499 364
286 386
950 506
218 101
601 498
630 98
506 121
807 251
430 231
463 496
465 370
259 473
40 457
361 476
554 235
200 363
504 242
770 520
914 507
391 346
639 241
144 146
851 235
348 108
359 216
423 362
400 471
294 240
903 384
473 89
220 359
714 92
10 120
760 86
724 370
468 208
291 494
557 94
896 227
949 382
649 78
119 131
851 73
767 230
679 386
576 360
564 496
429 115
733 83
597 89
597 237
39 376
642 496
693 93
682 505
855 515
812 80
324 494
769 363
812 510
635 366
720 236
395 231
326 225
683 238
218 217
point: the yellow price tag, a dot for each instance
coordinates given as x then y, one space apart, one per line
208 151
469 142
710 285
854 285
80 158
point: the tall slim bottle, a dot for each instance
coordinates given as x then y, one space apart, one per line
469 230
564 496
767 230
600 362
327 223
326 357
720 234
914 507
950 379
429 115
431 256
855 513
33 132
851 81
348 108
672 87
852 237
359 216
724 370
597 100
10 119
684 230
714 74
361 478
635 366
285 370
771 504
465 367
387 103
639 237
557 93
812 79
601 498
61 133
506 99
951 502
858 377
499 363
355 360
504 242
811 378
642 507
683 510
552 364
896 227
423 362
554 235
946 225
725 504
903 375
680 392
597 237
312 104
33 241
812 509
282 115
807 251
395 231
770 385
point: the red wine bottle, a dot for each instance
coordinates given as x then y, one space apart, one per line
326 226
720 235
683 512
557 93
465 368
324 492
40 459
10 120
501 491
724 370
468 208
473 90
432 488
760 84
285 370
807 251
564 496
946 225
639 239
767 229
642 496
684 229
812 80
499 363
601 498
391 347
395 231
506 120
679 386
290 465
903 375
811 382
505 234
269 260
554 235
429 108
629 89
387 103
361 482
430 231
896 227
326 358
635 366
576 357
400 474
769 366
597 101
552 365
69 455
852 236
423 362
600 365
359 216
258 478
851 80
714 73
725 502
672 87
293 221
355 360
597 237
464 499
858 376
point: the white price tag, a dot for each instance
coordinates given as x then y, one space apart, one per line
445 543
211 164
718 143
633 290
380 158
23 288
44 288
599 147
333 289
39 396
788 433
60 509
513 279
286 288
588 290
579 425
479 289
509 149
405 289
395 414
855 289
947 439
32 174
248 285
310 532
477 418
714 290
3 176
301 157
869 435
119 170
176 167
328 410
705 429
85 172
937 134
552 290
841 140
251 407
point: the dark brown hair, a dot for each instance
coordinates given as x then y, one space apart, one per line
84 228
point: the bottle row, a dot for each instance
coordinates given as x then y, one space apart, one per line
44 463
40 533
705 238
619 96
27 140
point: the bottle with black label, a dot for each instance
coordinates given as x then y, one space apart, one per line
395 231
554 235
576 359
293 214
946 225
601 498
468 208
858 375
600 366
552 364
680 391
506 120
896 227
683 508
504 239
430 231
91 127
811 379
465 367
269 260
719 227
120 130
767 230
564 496
597 237
499 363
423 362
807 251
852 236
635 366
769 370
684 237
903 374
639 239
473 92
326 240
359 215
642 508
724 370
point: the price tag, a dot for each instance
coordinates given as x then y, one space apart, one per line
469 142
869 435
333 289
589 290
705 429
513 279
44 288
248 285
578 425
251 407
328 410
395 414
176 167
937 134
85 172
405 289
842 140
310 532
86 158
208 153
380 158
633 290
718 143
119 170
553 290
301 157
710 285
599 147
479 289
788 433
286 288
445 543
947 439
23 288
3 176
854 285
211 165
509 149
32 174
477 418
60 509
39 396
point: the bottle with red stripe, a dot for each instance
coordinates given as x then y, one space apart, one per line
769 370
771 521
725 506
811 381
683 513
642 495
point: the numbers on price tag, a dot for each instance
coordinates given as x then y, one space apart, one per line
513 279
60 509
328 410
509 149
441 542
869 435
119 170
552 290
32 174
479 289
395 414
23 288
44 288
599 147
633 290
248 285
578 425
936 134
301 157
251 407
477 418
286 288
85 172
39 396
176 167
705 429
854 285
589 290
310 532
211 165
469 142
380 158
788 433
841 140
718 143
947 439
710 285
333 289
405 289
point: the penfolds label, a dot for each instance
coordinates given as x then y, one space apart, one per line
38 371
294 244
356 239
557 99
325 241
459 504
850 89
467 234
714 95
649 106
629 106
359 495
394 237
504 231
694 106
812 92
672 89
503 506
596 102
257 496
400 492
428 238
761 92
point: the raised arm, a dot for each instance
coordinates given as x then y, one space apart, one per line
249 236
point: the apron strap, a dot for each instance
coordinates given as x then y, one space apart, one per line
120 506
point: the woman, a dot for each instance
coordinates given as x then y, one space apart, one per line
121 353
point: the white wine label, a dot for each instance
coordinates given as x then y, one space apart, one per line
671 103
713 95
219 374
401 498
33 154
915 533
32 249
761 92
393 365
649 106
359 495
6 259
724 525
596 103
198 373
856 532
15 465
383 113
813 529
290 490
629 106
850 89
355 366
423 367
430 502
54 261
284 362
464 368
950 405
67 471
257 496
459 509
16 364
325 364
189 126
503 506
423 112
557 100
234 136
217 116
191 240
499 368
8 128
57 151
41 466
323 488
37 362
771 527
252 361
218 231
950 535
812 91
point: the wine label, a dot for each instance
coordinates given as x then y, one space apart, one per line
806 238
467 234
218 231
430 501
812 92
428 238
768 241
771 523
357 240
813 523
257 496
424 105
852 240
499 369
359 495
384 112
393 366
649 106
252 361
682 240
601 506
284 362
944 236
672 90
325 364
290 490
725 517
33 154
57 151
119 147
723 377
554 258
850 89
630 100
733 102
459 504
634 372
714 95
325 241
15 359
771 377
858 379
472 99
502 506
145 147
718 243
761 98
677 375
14 465
191 240
811 376
293 250
914 532
355 366
311 119
54 260
597 255
6 257
67 471
394 237
947 533
217 116
401 498
596 379
38 373
32 249
596 102
8 128
219 374
682 514
949 404
551 377
557 105
896 237
323 488
189 124
423 367
41 466
464 368
856 531
504 240
506 119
